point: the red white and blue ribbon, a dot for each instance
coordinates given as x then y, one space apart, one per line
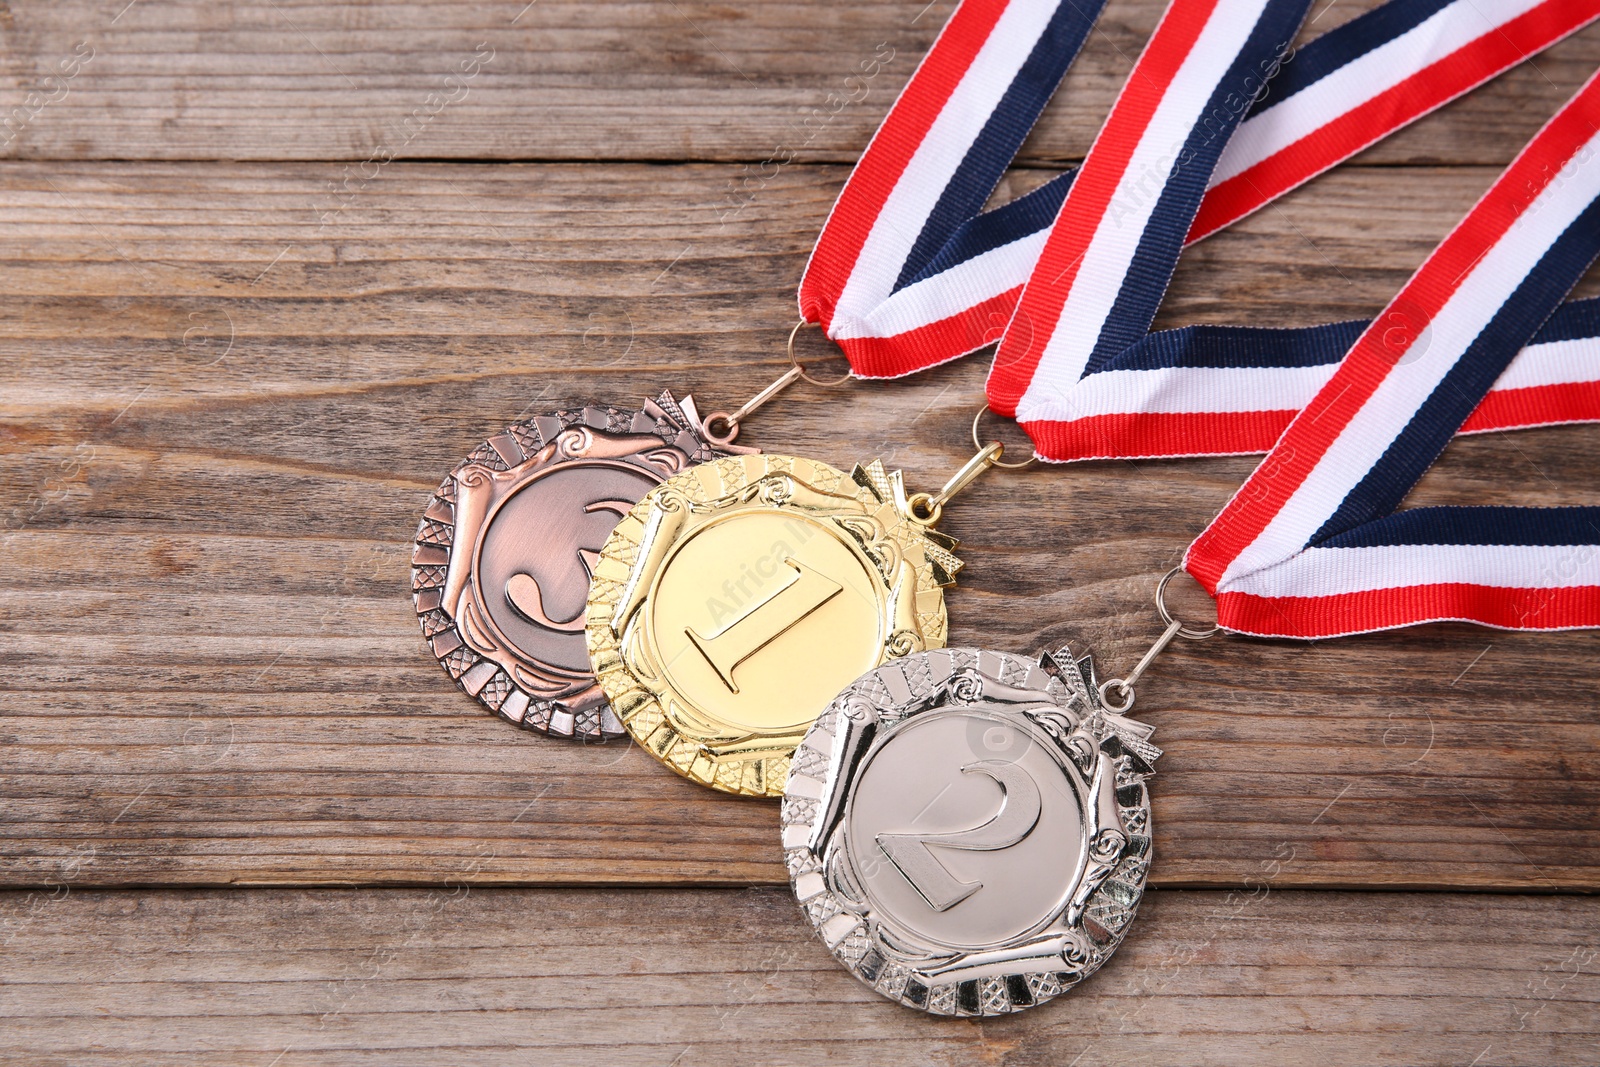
1313 546
1353 87
1229 390
908 273
1106 262
1207 391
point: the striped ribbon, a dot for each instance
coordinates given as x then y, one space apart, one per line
1078 367
908 273
1228 390
1312 545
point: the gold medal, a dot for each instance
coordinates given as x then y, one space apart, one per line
735 601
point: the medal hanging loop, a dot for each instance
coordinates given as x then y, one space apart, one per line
926 508
722 427
1175 628
1013 466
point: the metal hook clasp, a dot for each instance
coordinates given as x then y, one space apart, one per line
721 428
1175 628
927 507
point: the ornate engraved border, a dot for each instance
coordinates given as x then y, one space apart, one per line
1112 756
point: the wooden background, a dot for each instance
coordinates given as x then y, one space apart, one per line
268 271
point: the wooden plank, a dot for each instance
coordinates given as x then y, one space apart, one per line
568 80
220 415
296 977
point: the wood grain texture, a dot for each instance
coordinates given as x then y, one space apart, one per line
297 978
228 386
223 403
567 80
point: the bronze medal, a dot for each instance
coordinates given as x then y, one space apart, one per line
507 546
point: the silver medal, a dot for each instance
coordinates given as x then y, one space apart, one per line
969 831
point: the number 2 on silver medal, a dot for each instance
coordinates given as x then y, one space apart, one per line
913 857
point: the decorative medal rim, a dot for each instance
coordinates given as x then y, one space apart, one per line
637 701
675 424
816 817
